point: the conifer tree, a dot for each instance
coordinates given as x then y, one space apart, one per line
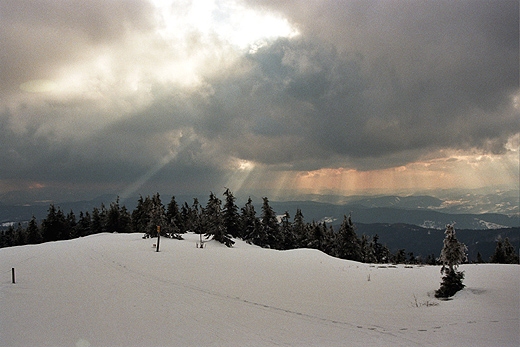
54 225
381 253
504 252
452 255
231 218
173 217
114 217
186 218
316 236
125 220
34 235
300 230
288 240
96 222
249 222
8 237
156 217
70 226
270 229
347 242
399 257
367 250
213 222
140 215
510 253
20 237
195 217
83 227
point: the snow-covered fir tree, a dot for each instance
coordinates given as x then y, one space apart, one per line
452 255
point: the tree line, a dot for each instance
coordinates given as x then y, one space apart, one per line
223 221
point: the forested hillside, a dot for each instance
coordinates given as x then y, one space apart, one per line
224 221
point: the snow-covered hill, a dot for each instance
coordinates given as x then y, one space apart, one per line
115 290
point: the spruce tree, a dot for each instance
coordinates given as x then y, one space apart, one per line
347 242
114 217
140 216
213 222
34 235
317 236
452 255
380 251
288 240
96 222
367 250
399 257
173 217
231 218
504 252
270 229
195 217
156 217
54 226
83 227
186 218
125 220
8 237
510 253
249 222
300 230
20 236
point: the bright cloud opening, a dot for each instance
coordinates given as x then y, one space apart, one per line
229 21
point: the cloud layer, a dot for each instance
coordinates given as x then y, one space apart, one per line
113 93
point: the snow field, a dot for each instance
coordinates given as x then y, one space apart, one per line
115 290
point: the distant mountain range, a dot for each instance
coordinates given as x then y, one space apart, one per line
333 214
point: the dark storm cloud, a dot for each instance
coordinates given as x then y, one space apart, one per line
305 101
366 85
409 76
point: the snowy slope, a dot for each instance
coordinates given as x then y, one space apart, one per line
115 290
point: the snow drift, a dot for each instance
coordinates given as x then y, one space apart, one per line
115 290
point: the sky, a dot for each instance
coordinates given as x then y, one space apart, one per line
260 96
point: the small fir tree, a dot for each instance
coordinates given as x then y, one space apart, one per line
452 255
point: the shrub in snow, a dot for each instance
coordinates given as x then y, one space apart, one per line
452 255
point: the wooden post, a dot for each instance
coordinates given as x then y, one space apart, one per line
158 237
12 272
